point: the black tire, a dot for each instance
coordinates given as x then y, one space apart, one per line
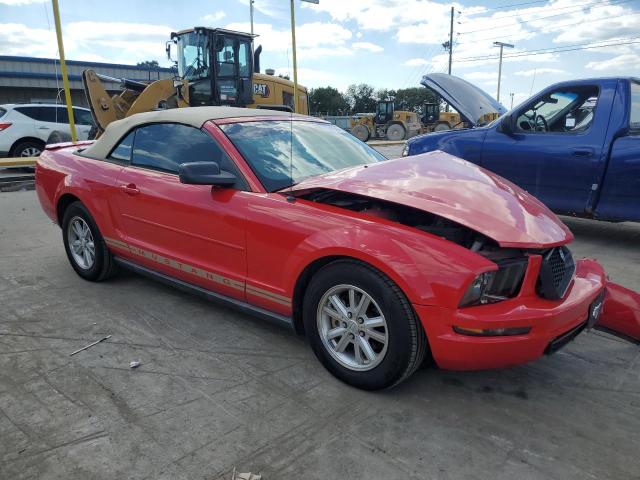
103 265
21 149
396 132
361 132
407 343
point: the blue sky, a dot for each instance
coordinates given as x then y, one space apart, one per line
387 43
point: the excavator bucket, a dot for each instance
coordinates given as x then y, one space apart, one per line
620 313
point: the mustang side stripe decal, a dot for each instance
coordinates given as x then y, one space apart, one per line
274 297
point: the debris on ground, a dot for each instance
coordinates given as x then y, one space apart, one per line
134 364
245 476
90 345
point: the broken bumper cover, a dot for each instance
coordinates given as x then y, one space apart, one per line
552 323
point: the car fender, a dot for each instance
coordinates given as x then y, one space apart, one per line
621 313
428 269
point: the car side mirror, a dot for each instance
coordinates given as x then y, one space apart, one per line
205 173
507 124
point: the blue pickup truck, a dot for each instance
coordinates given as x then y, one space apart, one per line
575 145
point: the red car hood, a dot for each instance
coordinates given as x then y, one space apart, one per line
455 189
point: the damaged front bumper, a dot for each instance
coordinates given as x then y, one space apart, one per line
551 324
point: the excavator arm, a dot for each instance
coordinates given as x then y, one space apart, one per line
134 97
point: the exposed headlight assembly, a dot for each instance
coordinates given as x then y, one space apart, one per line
477 292
497 285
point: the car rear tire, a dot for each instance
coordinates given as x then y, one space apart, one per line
361 132
86 250
27 148
396 132
361 326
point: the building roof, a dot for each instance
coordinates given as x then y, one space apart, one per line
194 116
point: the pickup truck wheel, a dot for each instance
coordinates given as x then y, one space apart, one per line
86 250
361 326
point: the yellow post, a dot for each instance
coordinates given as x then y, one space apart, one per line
295 65
63 67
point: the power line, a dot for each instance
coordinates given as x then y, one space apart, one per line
508 6
549 29
522 22
542 51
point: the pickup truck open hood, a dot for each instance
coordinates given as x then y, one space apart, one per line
470 101
455 189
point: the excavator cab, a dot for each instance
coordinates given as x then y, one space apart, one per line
384 112
430 113
217 63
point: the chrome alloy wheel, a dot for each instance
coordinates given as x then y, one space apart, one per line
352 327
81 243
30 152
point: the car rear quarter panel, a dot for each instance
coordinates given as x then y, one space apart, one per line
61 172
285 236
465 144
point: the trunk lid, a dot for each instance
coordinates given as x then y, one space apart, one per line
471 102
455 189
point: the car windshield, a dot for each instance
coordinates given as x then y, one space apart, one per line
282 153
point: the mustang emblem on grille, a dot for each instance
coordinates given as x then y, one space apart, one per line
561 254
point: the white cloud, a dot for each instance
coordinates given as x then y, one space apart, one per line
481 76
313 40
621 63
415 62
214 17
372 47
539 71
18 39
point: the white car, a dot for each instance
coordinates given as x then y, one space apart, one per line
25 128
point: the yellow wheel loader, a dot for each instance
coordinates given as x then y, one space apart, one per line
433 120
387 123
215 67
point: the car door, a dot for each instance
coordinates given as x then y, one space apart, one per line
556 150
192 232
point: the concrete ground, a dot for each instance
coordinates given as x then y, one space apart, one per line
218 389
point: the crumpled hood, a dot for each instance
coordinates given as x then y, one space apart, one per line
455 189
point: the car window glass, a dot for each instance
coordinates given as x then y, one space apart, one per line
53 114
31 112
164 146
634 122
122 152
317 148
562 111
2 112
82 117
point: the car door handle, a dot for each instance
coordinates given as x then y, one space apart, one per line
44 128
583 152
130 189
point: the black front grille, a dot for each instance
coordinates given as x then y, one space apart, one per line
556 273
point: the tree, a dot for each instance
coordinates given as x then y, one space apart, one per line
148 64
413 98
328 101
362 98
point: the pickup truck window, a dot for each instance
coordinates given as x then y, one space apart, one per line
563 111
634 122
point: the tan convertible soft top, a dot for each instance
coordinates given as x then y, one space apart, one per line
194 116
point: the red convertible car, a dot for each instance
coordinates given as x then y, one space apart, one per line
378 262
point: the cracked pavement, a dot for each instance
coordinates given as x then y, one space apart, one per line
218 389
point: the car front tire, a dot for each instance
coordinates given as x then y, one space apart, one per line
86 250
361 326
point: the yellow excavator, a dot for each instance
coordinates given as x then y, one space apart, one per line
215 67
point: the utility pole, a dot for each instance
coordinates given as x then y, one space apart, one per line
295 63
451 42
251 14
63 67
501 45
